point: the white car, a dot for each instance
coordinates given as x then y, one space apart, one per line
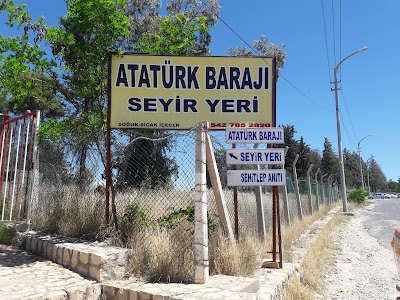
377 196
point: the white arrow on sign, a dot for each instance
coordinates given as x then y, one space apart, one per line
255 156
271 135
256 177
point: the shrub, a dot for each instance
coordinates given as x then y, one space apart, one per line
8 236
174 218
358 196
136 215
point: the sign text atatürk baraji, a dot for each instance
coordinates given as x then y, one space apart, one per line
174 92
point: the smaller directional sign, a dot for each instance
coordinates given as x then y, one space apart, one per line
256 177
269 135
255 157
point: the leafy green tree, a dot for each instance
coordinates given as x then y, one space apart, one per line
377 179
289 141
315 160
351 162
304 160
145 164
392 185
145 18
80 45
262 47
329 161
26 74
53 166
176 36
209 10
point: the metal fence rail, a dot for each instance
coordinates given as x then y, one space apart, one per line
18 165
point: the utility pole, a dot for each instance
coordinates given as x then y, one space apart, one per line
341 167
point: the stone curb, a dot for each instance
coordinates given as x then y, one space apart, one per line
107 264
268 284
92 260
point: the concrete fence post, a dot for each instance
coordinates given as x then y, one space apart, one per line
330 189
316 189
296 187
309 189
336 192
201 272
323 200
285 208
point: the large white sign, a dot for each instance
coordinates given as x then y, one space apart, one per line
255 157
271 135
256 177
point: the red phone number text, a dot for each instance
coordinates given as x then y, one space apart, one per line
239 125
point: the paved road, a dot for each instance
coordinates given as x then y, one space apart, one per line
382 220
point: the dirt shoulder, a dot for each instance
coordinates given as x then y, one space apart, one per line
363 268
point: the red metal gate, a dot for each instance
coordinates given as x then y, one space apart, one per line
18 165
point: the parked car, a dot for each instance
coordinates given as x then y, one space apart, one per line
377 196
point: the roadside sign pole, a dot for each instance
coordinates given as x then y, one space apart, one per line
235 204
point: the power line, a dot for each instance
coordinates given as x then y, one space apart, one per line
345 101
260 56
340 37
347 132
305 96
348 114
334 33
326 41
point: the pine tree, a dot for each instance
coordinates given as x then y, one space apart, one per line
329 161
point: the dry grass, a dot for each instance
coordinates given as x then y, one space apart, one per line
296 290
315 264
68 211
160 255
157 202
234 258
292 232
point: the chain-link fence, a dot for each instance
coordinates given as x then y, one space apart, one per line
152 196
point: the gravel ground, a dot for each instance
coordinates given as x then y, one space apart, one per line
363 268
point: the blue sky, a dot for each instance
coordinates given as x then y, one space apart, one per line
369 100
